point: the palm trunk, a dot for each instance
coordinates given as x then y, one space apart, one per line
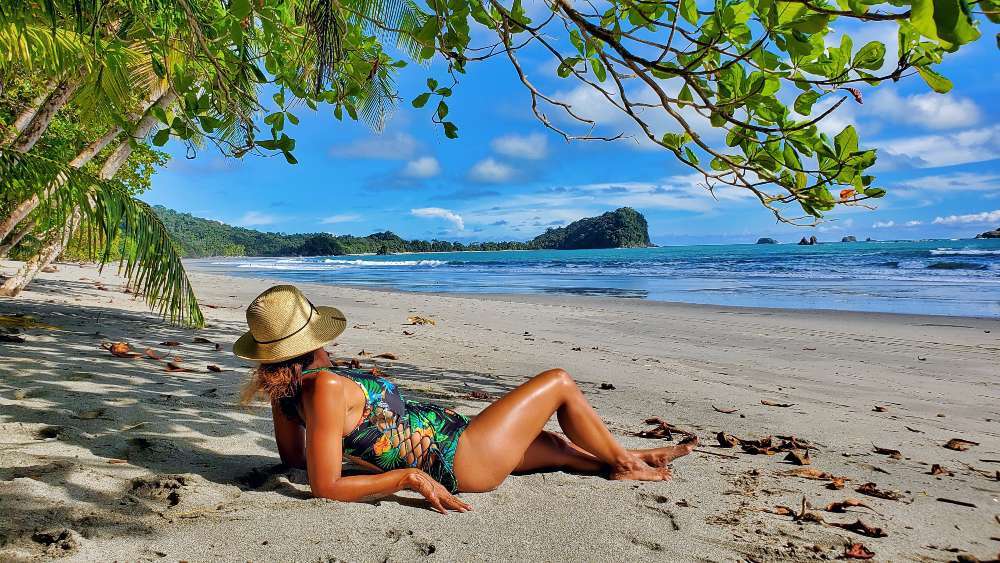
16 238
26 115
45 113
28 205
13 285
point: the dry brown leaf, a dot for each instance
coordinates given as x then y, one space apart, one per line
936 469
768 403
362 353
417 320
662 430
174 366
152 355
354 364
843 505
724 411
782 511
607 387
122 350
376 372
858 551
387 356
726 441
407 333
872 490
200 340
894 454
807 473
215 368
799 457
117 461
170 343
859 527
879 408
960 445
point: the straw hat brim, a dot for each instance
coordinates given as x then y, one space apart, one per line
324 326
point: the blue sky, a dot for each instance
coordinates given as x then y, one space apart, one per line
508 177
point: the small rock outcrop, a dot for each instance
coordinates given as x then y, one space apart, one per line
808 241
849 238
766 240
995 233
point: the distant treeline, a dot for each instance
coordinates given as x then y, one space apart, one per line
197 237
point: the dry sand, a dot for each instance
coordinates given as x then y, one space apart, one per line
119 459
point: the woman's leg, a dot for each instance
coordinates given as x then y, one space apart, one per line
498 441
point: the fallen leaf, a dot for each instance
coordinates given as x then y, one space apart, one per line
387 356
836 483
354 364
173 366
843 505
215 368
858 551
151 354
122 350
662 430
218 346
726 441
768 403
117 461
879 408
807 473
200 340
607 387
577 349
362 353
894 454
170 343
407 333
936 469
376 372
23 321
960 445
417 320
783 511
872 490
12 339
799 457
859 527
724 411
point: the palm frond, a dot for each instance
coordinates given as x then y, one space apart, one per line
43 49
115 224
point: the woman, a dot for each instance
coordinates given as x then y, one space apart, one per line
322 414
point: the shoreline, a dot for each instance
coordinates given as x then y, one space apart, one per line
136 461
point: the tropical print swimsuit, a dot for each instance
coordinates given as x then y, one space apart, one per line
395 433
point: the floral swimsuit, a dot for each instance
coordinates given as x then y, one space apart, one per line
395 433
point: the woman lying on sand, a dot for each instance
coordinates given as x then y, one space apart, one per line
322 413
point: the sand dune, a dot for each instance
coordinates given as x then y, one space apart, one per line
110 458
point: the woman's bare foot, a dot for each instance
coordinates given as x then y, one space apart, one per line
662 457
638 470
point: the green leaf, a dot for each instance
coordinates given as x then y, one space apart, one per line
450 130
161 137
239 8
846 142
874 192
421 100
691 156
804 103
938 83
685 95
599 71
870 57
689 11
432 84
442 110
673 140
288 156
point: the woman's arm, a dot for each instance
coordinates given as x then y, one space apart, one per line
324 405
290 437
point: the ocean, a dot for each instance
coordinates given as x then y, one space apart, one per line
938 277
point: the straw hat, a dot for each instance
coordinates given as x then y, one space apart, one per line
284 324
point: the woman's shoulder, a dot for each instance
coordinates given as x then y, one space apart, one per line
321 379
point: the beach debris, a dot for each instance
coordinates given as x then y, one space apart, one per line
842 506
803 515
879 408
724 411
376 372
984 472
175 366
387 356
726 440
769 403
213 367
936 469
793 443
894 454
407 333
661 430
120 350
91 414
576 349
418 320
914 430
201 340
811 473
859 527
218 347
836 483
24 322
960 445
58 542
12 339
958 502
872 490
760 446
116 461
858 551
799 457
170 343
362 353
152 354
479 396
607 387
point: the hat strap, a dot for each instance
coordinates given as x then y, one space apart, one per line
312 309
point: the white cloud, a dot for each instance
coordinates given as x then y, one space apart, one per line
971 145
387 146
883 224
341 218
913 223
491 171
446 214
532 147
957 182
930 110
986 217
423 167
256 218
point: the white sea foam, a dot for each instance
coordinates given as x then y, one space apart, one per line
964 252
385 262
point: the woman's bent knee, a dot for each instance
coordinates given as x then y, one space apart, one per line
558 375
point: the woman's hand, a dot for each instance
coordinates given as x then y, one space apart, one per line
435 493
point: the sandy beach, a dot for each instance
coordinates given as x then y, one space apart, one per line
108 458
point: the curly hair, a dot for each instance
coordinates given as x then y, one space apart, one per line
280 382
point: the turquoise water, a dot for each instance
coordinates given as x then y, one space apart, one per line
941 277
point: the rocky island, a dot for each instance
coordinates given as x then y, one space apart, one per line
995 233
766 240
196 237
